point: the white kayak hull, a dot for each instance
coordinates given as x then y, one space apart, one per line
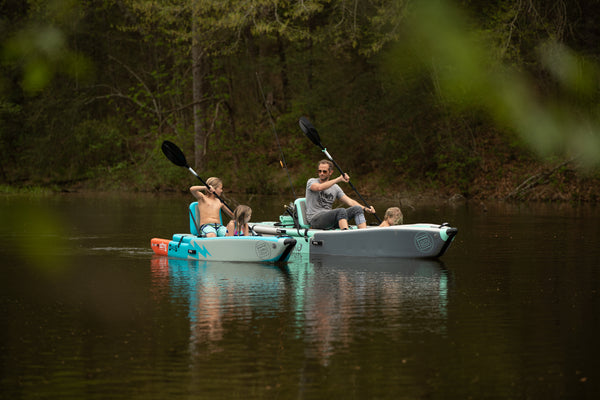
405 241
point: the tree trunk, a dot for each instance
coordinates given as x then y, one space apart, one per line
283 107
200 142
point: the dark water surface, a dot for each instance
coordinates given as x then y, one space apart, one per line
511 311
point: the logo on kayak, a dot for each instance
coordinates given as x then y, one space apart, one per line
263 251
424 242
203 252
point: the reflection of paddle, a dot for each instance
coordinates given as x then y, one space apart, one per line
311 132
176 156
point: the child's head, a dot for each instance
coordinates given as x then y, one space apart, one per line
242 214
214 182
394 216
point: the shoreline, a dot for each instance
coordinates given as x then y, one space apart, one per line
405 198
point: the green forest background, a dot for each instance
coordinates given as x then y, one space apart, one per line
475 99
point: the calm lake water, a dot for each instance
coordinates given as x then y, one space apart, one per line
511 311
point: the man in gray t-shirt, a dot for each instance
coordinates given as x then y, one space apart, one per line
322 192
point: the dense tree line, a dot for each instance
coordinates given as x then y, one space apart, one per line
416 93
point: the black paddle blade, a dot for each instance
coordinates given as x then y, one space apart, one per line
174 153
310 131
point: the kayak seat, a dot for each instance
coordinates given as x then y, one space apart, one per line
195 218
300 204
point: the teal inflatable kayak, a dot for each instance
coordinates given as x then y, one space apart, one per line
192 246
230 248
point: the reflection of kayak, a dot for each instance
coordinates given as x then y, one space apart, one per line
406 241
229 248
185 275
219 295
418 284
232 271
423 267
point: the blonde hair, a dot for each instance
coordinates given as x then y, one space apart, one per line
241 216
395 214
214 182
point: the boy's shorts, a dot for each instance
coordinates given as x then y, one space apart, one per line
217 229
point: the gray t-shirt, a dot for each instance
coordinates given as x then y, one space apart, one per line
320 201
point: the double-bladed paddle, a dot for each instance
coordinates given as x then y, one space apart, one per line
311 132
176 156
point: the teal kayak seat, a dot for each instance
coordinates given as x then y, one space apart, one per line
300 204
195 219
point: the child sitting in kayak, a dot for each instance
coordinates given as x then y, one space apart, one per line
393 216
238 226
209 207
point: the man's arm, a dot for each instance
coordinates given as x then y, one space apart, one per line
318 186
351 202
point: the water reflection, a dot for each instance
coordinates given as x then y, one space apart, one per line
514 314
329 302
217 293
352 299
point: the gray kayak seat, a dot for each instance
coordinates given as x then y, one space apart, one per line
300 204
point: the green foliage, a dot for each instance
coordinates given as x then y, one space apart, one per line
455 167
97 145
467 76
27 190
406 90
38 45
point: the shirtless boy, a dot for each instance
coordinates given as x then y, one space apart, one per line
209 206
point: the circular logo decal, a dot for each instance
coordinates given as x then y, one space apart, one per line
423 242
263 250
